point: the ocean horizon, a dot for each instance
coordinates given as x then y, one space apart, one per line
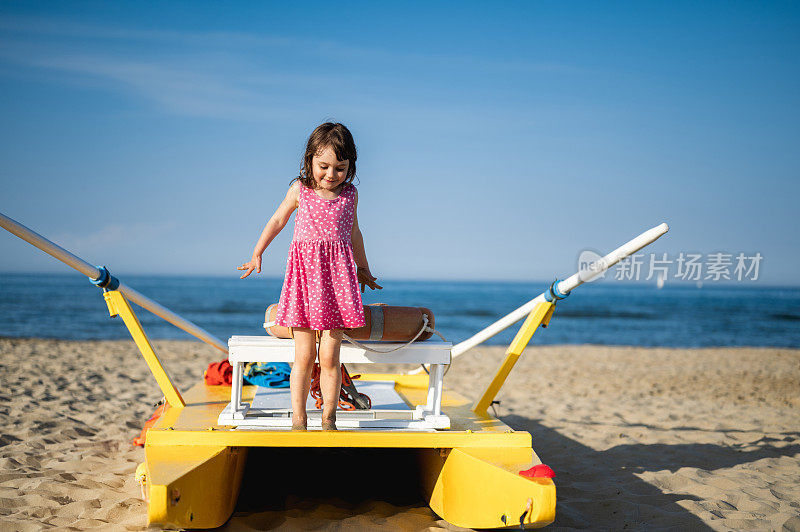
67 306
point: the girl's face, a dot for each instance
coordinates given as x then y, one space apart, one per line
329 172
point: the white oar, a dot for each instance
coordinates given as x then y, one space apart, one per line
562 287
96 273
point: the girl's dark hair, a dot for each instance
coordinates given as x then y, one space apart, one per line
338 137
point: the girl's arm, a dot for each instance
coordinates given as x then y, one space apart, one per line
274 226
364 275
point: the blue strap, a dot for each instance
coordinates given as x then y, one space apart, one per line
553 293
106 280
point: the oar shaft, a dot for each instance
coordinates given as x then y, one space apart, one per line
167 315
497 327
628 248
93 273
565 286
37 240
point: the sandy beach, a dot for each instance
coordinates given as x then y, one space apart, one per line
639 438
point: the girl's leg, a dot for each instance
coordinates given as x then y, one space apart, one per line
305 353
330 381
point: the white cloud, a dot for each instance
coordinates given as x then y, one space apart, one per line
234 75
112 235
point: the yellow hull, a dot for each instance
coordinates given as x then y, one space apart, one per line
192 486
469 474
481 487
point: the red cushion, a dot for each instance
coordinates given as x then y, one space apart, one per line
219 373
538 471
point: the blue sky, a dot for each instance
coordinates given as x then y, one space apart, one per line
496 140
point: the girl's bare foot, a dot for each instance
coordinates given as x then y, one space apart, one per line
329 424
299 424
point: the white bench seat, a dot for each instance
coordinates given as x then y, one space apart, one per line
270 349
436 353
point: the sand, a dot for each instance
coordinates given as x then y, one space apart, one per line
639 438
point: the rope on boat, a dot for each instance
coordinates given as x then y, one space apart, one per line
355 342
423 329
522 517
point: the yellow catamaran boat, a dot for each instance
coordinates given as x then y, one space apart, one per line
473 470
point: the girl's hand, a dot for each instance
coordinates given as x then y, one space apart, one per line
253 264
366 278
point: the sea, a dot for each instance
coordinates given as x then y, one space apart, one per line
67 306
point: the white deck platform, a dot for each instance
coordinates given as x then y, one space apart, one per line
271 407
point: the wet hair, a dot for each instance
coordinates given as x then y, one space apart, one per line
338 138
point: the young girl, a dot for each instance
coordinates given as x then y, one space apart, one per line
326 262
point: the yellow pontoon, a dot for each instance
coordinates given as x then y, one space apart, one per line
473 470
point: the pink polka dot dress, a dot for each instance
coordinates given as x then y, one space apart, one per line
320 290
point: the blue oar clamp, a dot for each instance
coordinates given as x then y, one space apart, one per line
553 294
106 280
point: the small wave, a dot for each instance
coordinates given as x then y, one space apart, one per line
605 314
225 309
478 312
785 317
